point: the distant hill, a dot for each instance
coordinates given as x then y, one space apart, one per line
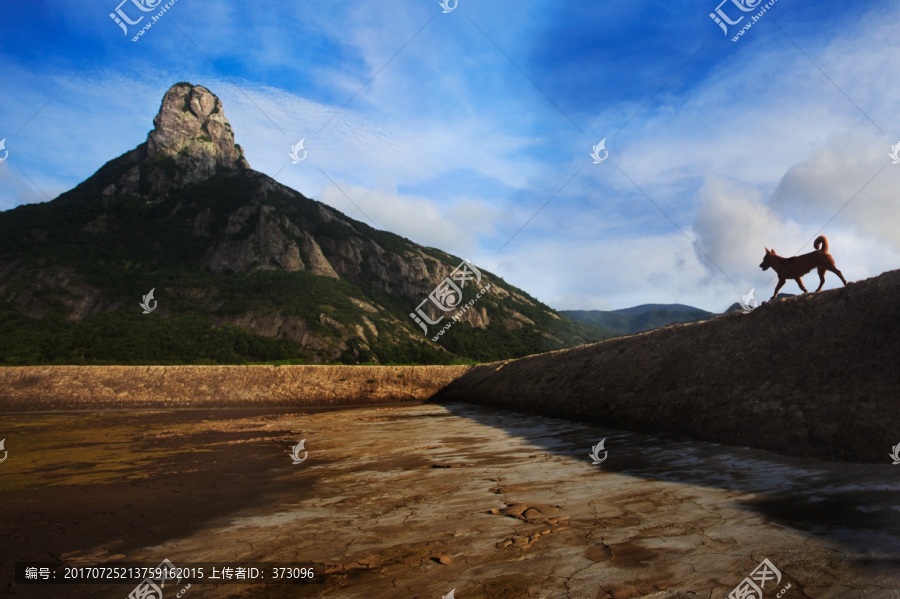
638 319
736 306
243 269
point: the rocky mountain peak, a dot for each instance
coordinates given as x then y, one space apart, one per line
190 142
191 122
191 127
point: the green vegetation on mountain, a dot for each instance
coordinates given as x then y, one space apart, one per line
638 319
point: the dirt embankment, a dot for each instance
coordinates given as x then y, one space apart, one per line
100 387
815 375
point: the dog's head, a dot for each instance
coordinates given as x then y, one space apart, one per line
767 259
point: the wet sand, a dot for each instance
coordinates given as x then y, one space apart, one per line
412 501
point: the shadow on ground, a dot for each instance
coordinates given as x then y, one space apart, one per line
851 504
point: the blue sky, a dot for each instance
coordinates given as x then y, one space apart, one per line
458 129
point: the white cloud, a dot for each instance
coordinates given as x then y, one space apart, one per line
837 179
582 274
424 221
733 225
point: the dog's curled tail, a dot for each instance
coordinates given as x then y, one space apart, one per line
821 243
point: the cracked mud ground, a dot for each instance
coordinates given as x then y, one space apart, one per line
413 501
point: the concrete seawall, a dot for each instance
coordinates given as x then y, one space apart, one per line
815 375
101 387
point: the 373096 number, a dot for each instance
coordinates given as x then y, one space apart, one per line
292 573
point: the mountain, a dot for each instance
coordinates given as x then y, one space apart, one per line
638 319
242 268
646 317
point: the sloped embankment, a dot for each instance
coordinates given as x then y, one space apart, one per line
815 375
101 387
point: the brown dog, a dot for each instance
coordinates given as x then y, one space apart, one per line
796 267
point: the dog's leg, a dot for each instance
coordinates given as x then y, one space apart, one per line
821 278
778 287
800 282
838 273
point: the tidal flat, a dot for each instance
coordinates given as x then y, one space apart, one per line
416 500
